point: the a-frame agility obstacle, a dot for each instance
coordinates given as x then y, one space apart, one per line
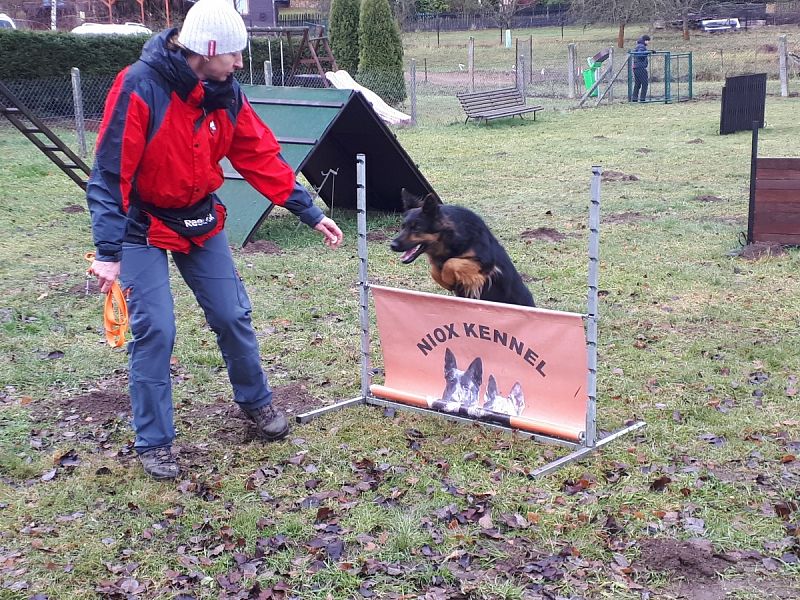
320 132
535 370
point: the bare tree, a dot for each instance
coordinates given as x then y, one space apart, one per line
504 10
620 12
680 10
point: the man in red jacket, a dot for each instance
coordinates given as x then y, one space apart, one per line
169 119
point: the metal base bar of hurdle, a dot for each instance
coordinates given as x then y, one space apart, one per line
589 443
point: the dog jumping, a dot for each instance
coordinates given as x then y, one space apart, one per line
465 257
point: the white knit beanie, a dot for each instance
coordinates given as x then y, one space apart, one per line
213 27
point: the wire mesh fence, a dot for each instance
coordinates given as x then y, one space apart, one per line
541 68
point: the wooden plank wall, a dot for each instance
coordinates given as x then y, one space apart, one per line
776 215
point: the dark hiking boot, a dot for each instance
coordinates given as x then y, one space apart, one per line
159 463
271 424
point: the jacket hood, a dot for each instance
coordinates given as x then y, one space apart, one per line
170 64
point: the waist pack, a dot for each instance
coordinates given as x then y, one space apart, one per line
191 221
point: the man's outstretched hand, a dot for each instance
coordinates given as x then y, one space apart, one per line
333 235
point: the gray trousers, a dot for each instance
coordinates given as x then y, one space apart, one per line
210 273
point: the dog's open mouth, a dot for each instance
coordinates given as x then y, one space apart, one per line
411 255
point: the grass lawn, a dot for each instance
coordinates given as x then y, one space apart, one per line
698 342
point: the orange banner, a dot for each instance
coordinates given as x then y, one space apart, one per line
521 367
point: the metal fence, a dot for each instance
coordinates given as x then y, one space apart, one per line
542 71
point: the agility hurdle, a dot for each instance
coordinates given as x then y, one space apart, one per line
517 369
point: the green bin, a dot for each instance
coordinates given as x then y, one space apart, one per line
590 75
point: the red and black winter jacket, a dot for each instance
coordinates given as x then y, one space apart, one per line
161 140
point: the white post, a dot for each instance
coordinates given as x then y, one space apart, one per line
610 69
53 4
782 56
571 62
77 100
471 63
267 72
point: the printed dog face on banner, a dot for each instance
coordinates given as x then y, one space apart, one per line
513 404
462 388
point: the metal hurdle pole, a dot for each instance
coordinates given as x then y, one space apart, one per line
590 441
591 308
363 296
363 285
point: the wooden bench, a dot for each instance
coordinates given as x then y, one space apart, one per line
495 104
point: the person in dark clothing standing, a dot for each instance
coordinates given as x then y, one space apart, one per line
640 77
169 120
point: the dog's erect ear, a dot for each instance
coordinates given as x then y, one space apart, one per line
491 388
410 200
475 371
449 361
431 204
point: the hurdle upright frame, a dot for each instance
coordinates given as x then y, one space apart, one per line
589 443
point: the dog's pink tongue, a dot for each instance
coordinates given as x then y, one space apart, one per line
409 253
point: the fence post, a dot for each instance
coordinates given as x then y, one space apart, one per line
267 72
521 75
77 101
611 72
530 60
571 71
471 63
413 91
782 56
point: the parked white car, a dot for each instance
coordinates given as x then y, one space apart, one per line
112 29
7 22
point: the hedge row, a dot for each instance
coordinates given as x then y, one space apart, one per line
44 54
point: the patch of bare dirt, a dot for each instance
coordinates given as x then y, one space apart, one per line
618 176
105 401
73 208
295 399
700 568
623 218
768 48
87 287
696 141
379 235
694 560
230 425
643 150
760 250
547 234
261 247
707 198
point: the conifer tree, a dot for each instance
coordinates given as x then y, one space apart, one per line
380 59
343 33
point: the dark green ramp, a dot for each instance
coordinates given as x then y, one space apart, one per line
322 130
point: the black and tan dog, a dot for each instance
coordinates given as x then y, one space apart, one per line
465 257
